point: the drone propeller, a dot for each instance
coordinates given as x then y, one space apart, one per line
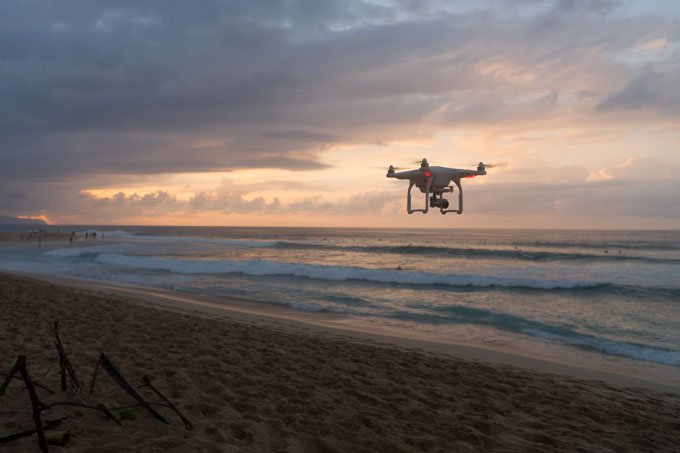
405 165
393 167
493 165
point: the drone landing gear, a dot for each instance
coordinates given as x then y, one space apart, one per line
436 199
408 197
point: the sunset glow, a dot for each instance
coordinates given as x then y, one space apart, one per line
292 117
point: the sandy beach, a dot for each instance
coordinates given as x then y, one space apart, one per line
252 383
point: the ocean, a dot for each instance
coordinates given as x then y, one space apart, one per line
608 296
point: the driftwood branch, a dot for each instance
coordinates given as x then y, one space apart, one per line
49 425
64 362
147 383
35 383
20 367
9 376
94 375
118 378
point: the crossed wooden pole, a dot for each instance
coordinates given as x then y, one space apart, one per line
36 404
67 370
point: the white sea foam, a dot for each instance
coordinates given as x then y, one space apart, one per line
188 239
114 233
75 252
630 350
307 307
323 272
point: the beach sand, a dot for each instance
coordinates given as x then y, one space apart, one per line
251 383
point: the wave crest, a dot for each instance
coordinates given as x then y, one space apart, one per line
325 272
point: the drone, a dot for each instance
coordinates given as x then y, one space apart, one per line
434 182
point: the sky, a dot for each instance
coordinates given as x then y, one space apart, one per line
288 113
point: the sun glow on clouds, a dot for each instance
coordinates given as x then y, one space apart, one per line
353 188
42 217
293 116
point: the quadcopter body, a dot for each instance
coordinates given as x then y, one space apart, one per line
434 182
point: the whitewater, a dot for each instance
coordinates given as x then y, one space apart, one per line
612 295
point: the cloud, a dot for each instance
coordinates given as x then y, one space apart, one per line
152 204
231 200
638 187
649 89
244 73
101 90
638 169
599 199
587 6
380 202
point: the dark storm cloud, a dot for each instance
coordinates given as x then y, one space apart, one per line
587 6
16 195
301 136
103 87
649 89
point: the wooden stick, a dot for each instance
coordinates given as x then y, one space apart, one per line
94 376
120 380
36 405
35 383
64 362
147 383
49 425
62 373
9 377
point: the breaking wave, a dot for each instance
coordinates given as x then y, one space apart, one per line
323 272
111 255
119 234
614 251
462 252
623 349
544 331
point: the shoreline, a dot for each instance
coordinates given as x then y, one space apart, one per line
271 314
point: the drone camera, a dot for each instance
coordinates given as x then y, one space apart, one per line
439 203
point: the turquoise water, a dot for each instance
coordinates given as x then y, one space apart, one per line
611 293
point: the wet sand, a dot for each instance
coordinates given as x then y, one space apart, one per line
250 382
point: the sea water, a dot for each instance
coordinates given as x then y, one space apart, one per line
614 295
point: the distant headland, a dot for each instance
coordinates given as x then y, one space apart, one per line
8 220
